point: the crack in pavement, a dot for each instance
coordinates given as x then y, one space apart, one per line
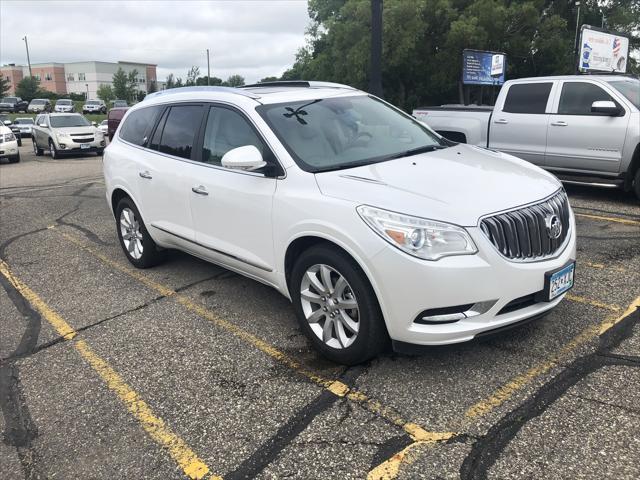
489 447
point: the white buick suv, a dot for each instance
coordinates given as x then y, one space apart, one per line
375 227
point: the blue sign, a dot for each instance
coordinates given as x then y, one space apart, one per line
476 68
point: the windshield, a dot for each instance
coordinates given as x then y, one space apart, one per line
58 121
93 102
63 102
38 102
24 121
9 100
104 122
630 88
344 132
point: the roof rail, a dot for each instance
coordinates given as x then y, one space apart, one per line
298 83
203 88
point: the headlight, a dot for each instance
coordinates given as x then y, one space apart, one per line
62 135
416 236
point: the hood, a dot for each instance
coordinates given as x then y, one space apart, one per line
89 129
458 185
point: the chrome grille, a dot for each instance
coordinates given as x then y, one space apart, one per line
523 234
83 140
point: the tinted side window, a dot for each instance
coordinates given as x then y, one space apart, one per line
226 130
577 97
154 144
527 98
180 130
138 125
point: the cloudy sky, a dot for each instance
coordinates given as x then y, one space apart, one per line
252 38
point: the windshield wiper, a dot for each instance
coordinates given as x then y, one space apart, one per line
416 151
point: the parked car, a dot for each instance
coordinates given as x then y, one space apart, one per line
61 134
104 126
113 120
373 225
583 127
64 106
7 122
94 106
25 125
119 104
8 145
38 105
13 104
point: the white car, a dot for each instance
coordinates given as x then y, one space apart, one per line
64 133
64 106
94 106
374 226
8 145
103 126
25 124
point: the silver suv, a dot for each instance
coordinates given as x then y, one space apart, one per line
94 106
62 133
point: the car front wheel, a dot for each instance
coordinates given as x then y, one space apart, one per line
636 184
135 240
53 151
336 306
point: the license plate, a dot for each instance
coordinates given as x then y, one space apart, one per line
84 145
559 281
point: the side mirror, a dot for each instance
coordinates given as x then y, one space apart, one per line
243 158
94 124
605 107
43 125
7 122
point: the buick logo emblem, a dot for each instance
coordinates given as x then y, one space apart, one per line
554 226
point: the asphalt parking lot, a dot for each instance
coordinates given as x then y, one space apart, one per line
190 371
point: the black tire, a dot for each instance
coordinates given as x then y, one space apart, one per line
37 150
636 184
100 152
53 150
19 140
15 159
372 337
151 254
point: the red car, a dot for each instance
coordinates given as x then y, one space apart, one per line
113 120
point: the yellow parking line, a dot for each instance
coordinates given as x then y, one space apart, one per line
592 302
624 221
191 465
338 388
602 266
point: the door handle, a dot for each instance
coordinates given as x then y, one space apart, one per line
501 120
559 123
145 174
200 190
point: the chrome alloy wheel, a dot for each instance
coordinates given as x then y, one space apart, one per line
330 306
130 231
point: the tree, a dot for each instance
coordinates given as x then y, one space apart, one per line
28 88
106 94
178 83
141 96
120 85
269 79
235 81
192 76
132 84
5 85
213 81
170 82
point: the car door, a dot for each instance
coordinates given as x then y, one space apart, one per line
581 140
39 132
518 125
163 184
231 209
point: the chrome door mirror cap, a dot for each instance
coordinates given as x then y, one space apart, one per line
606 107
243 158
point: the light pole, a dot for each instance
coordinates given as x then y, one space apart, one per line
575 41
26 43
208 68
86 97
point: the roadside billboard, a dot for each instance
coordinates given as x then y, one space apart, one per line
602 51
478 66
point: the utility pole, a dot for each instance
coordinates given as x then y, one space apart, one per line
208 68
575 41
375 74
28 59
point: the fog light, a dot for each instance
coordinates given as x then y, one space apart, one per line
102 144
62 146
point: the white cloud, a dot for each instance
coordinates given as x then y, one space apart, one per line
252 38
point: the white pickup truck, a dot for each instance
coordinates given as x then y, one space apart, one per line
576 126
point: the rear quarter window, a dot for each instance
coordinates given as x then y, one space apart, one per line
138 125
527 98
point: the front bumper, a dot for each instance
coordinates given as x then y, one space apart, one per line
9 149
63 110
73 147
485 282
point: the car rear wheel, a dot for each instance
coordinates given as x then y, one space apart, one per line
336 306
636 184
135 240
36 150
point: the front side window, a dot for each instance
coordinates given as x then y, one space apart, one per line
629 87
180 130
61 121
226 130
138 125
345 132
577 97
527 98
